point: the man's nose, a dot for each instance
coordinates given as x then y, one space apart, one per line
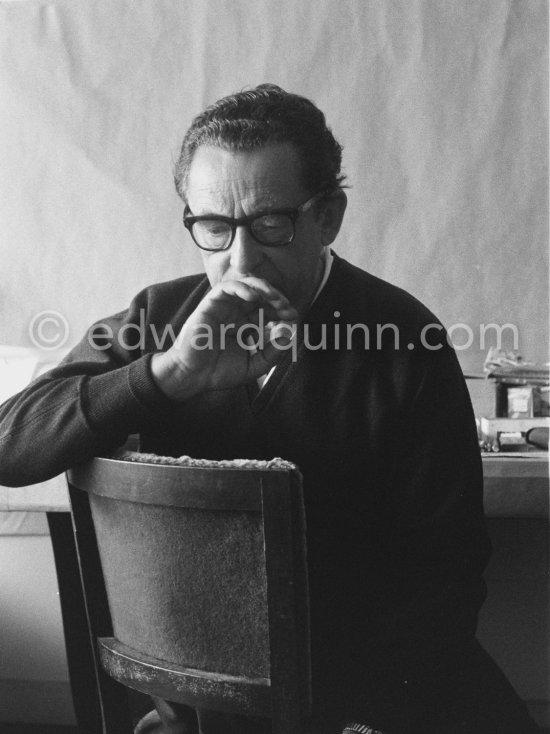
245 252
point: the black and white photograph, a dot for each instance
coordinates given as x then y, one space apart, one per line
274 367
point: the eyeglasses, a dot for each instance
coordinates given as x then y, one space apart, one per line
270 228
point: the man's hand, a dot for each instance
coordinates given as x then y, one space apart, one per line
212 351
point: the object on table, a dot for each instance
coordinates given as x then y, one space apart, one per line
522 388
513 434
538 437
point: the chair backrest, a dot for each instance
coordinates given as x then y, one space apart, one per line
194 575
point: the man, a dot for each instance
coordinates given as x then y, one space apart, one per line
284 349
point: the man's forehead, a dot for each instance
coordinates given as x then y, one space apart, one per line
261 177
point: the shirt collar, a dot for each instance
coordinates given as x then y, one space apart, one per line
328 258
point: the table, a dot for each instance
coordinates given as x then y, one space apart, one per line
516 486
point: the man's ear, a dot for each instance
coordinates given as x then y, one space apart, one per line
331 215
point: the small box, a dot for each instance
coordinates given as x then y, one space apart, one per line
520 402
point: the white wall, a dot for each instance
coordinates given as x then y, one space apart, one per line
441 107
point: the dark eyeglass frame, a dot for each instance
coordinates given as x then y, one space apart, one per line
293 213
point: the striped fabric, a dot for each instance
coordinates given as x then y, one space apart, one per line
360 728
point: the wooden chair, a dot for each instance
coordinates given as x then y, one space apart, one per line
195 583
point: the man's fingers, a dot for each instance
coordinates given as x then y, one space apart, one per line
281 333
237 289
261 362
270 293
235 299
279 337
254 290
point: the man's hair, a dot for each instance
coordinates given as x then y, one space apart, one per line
267 114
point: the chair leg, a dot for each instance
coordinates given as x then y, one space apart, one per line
100 703
80 658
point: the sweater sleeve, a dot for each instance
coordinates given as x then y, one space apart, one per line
101 392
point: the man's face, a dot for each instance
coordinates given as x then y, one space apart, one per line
242 183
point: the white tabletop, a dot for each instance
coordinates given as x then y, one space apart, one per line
50 496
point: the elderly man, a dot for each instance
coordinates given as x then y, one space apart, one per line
285 349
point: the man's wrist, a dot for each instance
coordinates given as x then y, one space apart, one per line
170 380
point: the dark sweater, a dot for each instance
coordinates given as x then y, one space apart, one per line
386 442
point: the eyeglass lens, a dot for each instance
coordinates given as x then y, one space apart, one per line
270 229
